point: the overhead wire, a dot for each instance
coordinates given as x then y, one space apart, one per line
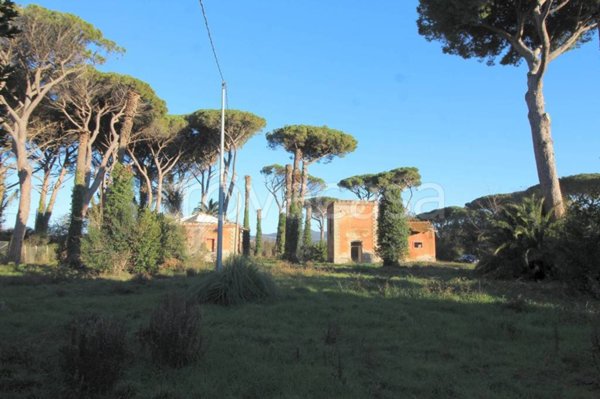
212 43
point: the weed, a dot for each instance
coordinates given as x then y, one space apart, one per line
173 334
93 360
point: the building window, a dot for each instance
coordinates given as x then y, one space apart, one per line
210 244
418 244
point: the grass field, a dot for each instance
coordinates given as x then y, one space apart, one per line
420 331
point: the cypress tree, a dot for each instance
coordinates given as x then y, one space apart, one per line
280 240
307 236
392 227
246 233
258 243
118 217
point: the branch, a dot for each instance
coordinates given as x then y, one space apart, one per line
572 40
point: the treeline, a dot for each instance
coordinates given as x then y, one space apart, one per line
62 118
514 237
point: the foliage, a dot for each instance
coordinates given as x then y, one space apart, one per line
307 232
239 282
457 231
212 208
519 241
578 252
118 212
315 143
489 30
174 332
93 359
258 242
172 241
316 252
293 227
97 253
392 227
246 233
146 247
368 186
281 229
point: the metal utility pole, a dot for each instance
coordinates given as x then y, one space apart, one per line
221 181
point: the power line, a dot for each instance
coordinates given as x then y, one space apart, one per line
212 44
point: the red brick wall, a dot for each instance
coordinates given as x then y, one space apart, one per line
350 221
426 250
198 234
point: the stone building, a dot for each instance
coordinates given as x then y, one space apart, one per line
352 234
201 236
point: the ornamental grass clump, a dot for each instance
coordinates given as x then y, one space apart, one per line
239 282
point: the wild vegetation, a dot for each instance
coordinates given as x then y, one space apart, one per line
124 312
424 330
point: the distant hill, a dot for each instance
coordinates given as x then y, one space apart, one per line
316 236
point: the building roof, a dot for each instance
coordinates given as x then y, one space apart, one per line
417 226
200 218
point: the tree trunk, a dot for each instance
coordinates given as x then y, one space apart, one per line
159 192
80 184
133 100
288 187
297 177
50 206
2 190
304 186
40 227
543 146
322 226
24 171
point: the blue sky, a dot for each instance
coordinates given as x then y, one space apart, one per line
360 67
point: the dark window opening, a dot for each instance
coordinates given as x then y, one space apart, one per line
418 244
356 251
210 244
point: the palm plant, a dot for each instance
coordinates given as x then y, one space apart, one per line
212 208
518 240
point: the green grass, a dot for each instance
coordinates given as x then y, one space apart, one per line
420 331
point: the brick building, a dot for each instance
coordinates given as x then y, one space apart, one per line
201 236
352 234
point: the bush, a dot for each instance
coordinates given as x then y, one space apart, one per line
147 244
173 242
519 242
173 334
94 358
239 282
578 249
96 252
317 252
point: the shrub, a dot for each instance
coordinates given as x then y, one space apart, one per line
578 251
147 244
519 242
317 252
93 359
239 282
173 335
96 252
173 241
392 227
